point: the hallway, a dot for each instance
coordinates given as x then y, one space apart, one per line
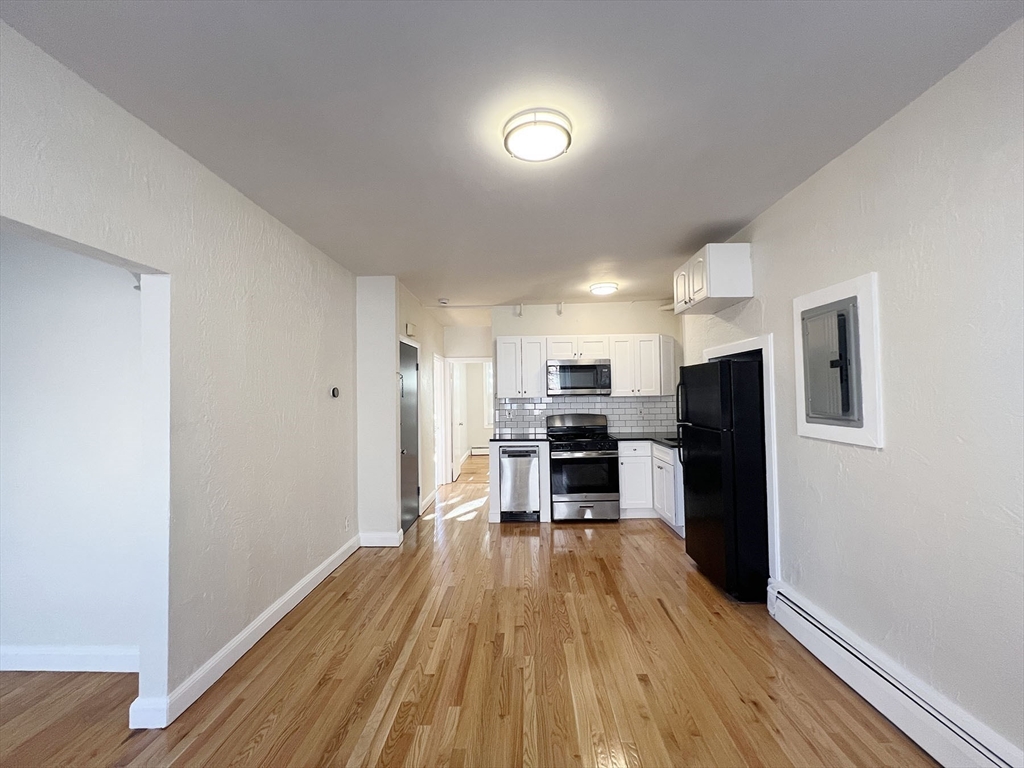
486 645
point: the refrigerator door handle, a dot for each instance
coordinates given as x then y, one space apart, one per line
680 394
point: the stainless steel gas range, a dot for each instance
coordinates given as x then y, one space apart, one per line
584 468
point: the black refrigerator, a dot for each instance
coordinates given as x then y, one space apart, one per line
720 415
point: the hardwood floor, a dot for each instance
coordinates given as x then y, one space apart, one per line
486 645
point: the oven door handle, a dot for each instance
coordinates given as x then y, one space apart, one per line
584 454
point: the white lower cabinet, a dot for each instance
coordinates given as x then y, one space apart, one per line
650 482
664 484
667 481
635 489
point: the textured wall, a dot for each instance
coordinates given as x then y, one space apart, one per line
262 326
378 395
70 466
597 318
468 341
919 547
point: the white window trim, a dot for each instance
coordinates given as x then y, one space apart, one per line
865 288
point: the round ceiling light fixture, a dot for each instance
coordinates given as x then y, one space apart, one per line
536 135
604 289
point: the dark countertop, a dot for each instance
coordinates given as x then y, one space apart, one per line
661 438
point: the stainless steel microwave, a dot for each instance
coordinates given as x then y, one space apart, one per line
579 377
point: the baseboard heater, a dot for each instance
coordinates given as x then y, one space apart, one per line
895 684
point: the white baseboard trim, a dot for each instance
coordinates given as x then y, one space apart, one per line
159 713
946 731
637 514
479 451
69 658
380 539
428 500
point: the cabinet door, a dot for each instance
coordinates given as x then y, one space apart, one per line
534 366
592 347
680 290
658 486
623 357
698 276
669 481
562 348
635 491
647 375
508 379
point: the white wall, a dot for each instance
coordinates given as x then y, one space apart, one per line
71 454
378 414
593 318
262 326
430 335
918 547
468 341
477 434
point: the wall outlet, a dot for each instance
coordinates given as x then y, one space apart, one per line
348 523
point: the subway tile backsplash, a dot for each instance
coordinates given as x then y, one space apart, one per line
626 415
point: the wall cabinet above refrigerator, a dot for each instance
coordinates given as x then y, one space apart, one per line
717 276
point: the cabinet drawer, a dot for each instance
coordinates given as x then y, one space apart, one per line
636 448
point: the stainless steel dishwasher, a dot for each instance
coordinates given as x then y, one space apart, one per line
519 479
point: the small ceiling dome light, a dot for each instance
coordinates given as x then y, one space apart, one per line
604 289
536 135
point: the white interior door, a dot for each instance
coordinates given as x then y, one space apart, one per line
441 471
460 437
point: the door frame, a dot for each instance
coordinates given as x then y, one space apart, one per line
449 362
419 432
764 343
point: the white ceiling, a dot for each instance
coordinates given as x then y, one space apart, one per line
374 129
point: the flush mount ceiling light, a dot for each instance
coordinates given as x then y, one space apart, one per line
604 289
536 135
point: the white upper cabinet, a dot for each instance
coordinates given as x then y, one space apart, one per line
534 366
623 357
577 347
508 367
648 365
717 276
643 365
561 348
520 366
592 347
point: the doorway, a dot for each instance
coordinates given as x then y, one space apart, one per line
470 405
409 367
